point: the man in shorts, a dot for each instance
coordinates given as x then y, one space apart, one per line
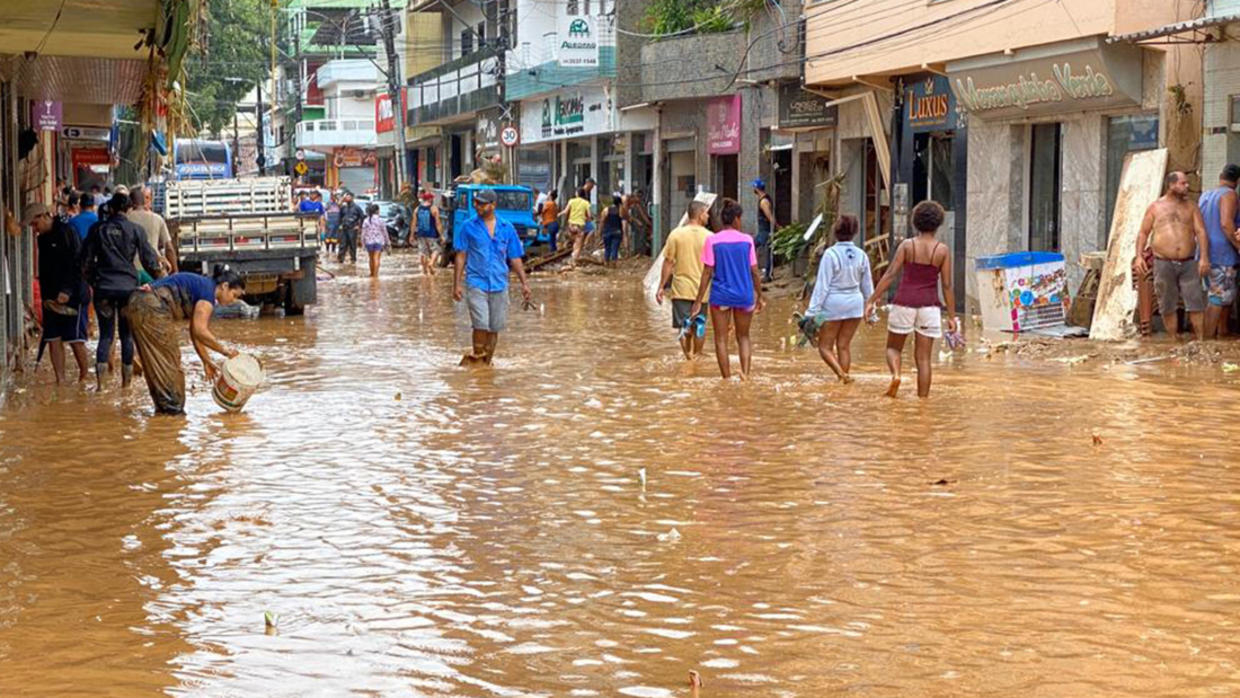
486 247
62 287
1174 230
1222 220
428 228
682 265
578 214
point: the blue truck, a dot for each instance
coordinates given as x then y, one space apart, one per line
514 204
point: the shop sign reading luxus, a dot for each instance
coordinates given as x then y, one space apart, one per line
1100 78
929 105
577 40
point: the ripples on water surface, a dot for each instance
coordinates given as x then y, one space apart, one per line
422 529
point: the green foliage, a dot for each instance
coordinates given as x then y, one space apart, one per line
669 16
788 242
233 57
712 20
703 16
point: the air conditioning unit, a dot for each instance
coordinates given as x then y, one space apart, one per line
357 94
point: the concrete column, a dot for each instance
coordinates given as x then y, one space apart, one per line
749 160
628 163
566 184
656 188
796 178
595 162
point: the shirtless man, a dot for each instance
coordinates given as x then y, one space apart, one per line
1181 254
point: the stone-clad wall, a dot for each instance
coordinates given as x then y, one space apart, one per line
998 183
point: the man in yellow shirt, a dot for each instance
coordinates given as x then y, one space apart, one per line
578 212
682 264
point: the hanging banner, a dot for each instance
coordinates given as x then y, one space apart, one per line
577 39
385 117
723 125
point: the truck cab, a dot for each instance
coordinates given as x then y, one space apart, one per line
514 204
251 225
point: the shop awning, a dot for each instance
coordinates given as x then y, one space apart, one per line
87 51
1191 25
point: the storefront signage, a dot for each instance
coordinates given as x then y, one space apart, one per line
723 125
86 133
486 131
929 105
1101 77
354 157
385 114
577 39
799 108
46 115
571 113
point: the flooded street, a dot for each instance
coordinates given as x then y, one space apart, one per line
416 528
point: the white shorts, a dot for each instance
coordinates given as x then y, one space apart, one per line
927 322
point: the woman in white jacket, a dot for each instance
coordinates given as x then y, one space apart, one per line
844 282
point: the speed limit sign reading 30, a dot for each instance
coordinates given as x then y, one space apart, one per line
510 136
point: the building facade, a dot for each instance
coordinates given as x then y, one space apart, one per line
718 129
58 97
455 85
1028 149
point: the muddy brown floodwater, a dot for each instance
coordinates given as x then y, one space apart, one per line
421 529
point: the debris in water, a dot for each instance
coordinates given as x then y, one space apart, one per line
943 481
269 621
397 396
1229 367
695 680
672 535
1097 440
641 475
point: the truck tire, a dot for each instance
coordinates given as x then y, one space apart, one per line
304 291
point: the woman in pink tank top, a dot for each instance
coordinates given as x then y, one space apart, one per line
927 266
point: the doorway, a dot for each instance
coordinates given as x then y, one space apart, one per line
1045 155
726 168
781 170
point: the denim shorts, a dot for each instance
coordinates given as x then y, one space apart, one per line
488 311
374 247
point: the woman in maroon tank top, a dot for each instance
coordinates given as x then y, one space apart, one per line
927 265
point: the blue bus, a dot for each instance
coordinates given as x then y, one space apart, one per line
194 158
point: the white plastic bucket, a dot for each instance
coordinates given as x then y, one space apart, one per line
236 381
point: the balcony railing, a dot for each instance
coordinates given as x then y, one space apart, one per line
464 85
326 133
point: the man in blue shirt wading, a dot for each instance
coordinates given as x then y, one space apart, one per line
486 246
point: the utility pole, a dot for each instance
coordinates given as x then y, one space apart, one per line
388 23
507 155
261 160
275 5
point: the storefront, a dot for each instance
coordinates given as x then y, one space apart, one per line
723 144
1048 130
801 151
930 160
355 170
578 133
